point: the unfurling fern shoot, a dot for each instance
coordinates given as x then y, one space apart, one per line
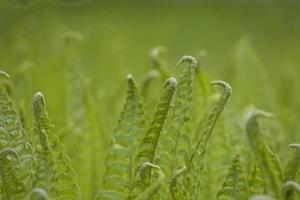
52 161
118 178
148 146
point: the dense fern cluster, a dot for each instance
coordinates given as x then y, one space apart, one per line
163 157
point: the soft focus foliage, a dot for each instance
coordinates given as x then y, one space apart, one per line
195 130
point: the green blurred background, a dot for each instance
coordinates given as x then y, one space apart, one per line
118 36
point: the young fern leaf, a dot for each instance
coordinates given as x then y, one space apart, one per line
175 187
266 159
153 189
182 102
205 131
291 170
63 178
176 143
118 178
148 146
16 151
235 186
210 120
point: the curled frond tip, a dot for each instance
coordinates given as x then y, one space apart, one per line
171 82
254 114
131 81
38 193
294 146
8 151
38 103
2 73
225 85
157 51
190 59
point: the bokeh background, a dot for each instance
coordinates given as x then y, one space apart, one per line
253 45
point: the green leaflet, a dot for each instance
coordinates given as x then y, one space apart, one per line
291 169
63 179
235 186
255 183
266 159
118 178
16 152
202 137
148 146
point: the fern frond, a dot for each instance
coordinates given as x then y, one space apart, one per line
120 160
201 139
210 120
62 176
16 151
150 140
235 186
182 103
176 142
147 150
266 159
